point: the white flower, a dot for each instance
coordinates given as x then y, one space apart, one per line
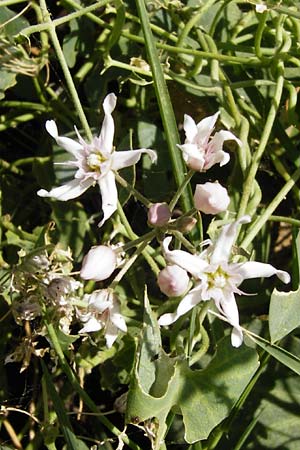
216 278
200 150
95 162
211 198
260 8
103 312
99 263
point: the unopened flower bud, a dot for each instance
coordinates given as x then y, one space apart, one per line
99 263
173 281
159 214
211 198
186 224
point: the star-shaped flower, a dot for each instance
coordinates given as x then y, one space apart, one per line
96 162
201 150
103 312
216 278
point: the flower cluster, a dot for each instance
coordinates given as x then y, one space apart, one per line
209 275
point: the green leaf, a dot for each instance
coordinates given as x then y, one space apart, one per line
280 416
72 442
284 313
72 224
14 26
288 359
7 80
70 43
204 397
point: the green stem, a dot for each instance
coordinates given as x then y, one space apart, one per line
132 190
180 189
165 105
248 184
128 264
259 33
80 391
131 235
65 69
294 222
261 220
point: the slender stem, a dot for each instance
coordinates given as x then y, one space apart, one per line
81 392
261 220
128 264
65 69
132 190
248 184
165 105
180 189
146 252
259 33
294 222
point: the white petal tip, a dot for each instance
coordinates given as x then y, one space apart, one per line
236 337
109 103
166 319
43 193
283 276
52 128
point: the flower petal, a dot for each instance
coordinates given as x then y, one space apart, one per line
91 325
205 128
190 128
222 247
128 158
109 195
191 263
68 144
111 334
229 309
106 136
72 189
98 265
186 304
253 269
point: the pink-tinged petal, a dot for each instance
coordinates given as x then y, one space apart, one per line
205 128
109 195
213 158
106 136
111 334
123 159
186 304
98 265
159 214
72 189
191 263
193 156
68 144
190 128
173 281
221 136
222 247
253 269
99 300
90 326
211 198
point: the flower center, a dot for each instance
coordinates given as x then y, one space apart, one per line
217 279
94 161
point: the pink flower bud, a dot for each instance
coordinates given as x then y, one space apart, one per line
99 263
211 198
159 214
173 281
